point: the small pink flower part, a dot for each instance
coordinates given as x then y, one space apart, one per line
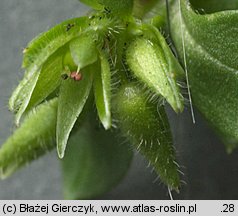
76 76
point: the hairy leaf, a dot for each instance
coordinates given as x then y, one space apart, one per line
34 138
211 45
211 6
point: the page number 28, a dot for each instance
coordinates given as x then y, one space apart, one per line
228 208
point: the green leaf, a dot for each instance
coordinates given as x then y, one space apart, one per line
145 124
95 161
152 63
49 79
212 6
34 138
211 46
72 98
83 51
102 91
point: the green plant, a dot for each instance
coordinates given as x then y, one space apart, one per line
117 60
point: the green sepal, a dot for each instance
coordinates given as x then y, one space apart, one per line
95 161
102 90
34 138
68 61
72 98
28 87
151 62
37 53
48 80
40 48
18 96
83 51
144 123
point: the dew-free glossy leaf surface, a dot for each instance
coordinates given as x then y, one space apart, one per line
32 139
102 90
95 161
211 51
72 98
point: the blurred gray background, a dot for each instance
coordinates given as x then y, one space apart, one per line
209 172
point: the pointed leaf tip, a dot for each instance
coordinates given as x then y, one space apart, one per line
72 98
33 138
148 129
102 90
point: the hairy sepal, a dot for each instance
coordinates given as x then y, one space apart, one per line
36 54
34 138
147 127
49 79
154 65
